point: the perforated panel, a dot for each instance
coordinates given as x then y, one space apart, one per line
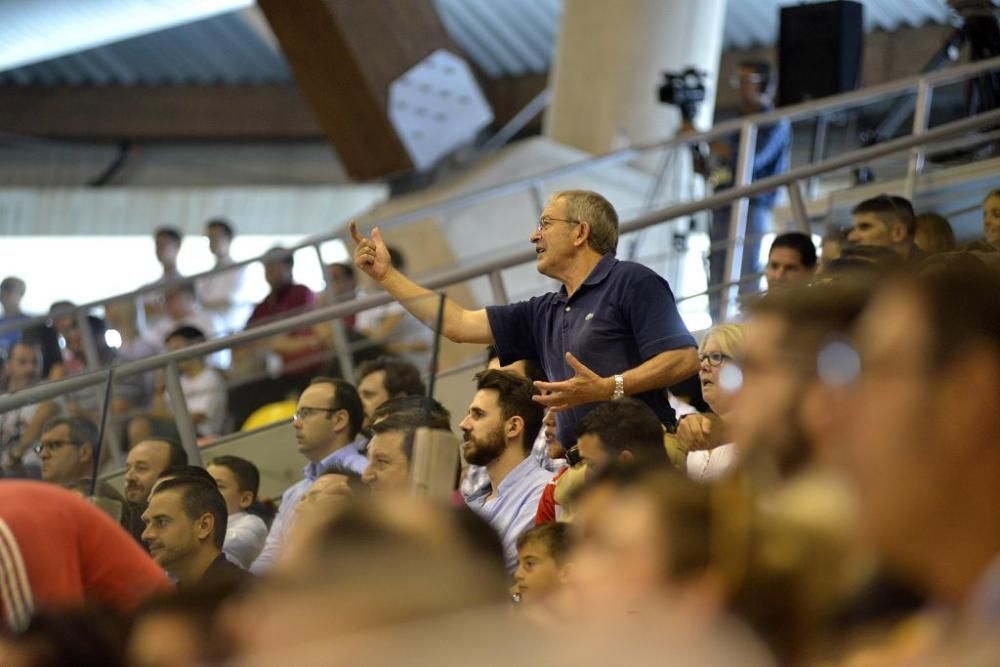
436 107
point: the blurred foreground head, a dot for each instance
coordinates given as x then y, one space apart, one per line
374 564
660 554
923 451
790 407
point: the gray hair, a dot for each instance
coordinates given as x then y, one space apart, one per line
81 429
592 208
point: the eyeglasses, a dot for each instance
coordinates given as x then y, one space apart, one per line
52 445
305 412
714 359
545 222
736 80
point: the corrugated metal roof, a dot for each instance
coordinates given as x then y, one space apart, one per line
507 38
33 31
502 37
224 49
752 23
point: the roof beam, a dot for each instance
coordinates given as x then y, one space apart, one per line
158 112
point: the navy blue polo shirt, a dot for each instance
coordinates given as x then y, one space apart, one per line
622 315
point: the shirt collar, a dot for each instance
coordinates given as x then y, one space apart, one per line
597 274
314 470
519 471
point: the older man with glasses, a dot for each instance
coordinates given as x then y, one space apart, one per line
327 425
67 449
613 330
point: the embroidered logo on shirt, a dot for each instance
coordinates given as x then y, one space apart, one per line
589 316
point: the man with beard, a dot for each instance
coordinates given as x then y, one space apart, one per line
498 432
144 464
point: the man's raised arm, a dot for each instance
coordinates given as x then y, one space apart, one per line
460 325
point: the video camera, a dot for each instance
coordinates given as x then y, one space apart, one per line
685 90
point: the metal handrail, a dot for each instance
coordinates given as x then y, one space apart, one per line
461 274
794 112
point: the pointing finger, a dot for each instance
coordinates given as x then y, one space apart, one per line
354 233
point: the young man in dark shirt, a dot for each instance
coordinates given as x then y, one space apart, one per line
185 529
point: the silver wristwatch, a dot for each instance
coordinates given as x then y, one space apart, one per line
619 392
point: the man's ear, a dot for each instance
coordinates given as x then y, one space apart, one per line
246 499
626 457
582 234
341 420
204 526
513 427
897 232
87 452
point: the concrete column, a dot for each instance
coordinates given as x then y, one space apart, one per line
608 65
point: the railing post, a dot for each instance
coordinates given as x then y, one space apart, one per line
340 341
921 116
182 416
738 217
799 211
818 149
499 291
114 439
90 355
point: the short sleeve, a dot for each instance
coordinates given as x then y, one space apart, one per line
513 329
655 321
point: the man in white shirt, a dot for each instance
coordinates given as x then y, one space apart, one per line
219 293
238 481
203 387
167 240
180 308
204 393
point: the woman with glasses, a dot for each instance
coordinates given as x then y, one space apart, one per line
703 436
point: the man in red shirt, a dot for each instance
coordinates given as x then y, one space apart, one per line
57 550
299 363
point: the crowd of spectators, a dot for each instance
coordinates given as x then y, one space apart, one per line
830 504
221 390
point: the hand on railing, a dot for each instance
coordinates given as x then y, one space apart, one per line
371 255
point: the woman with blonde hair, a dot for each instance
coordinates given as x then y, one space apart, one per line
991 218
703 436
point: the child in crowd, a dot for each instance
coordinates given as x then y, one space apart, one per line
238 481
542 562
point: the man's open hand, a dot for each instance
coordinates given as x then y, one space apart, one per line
584 387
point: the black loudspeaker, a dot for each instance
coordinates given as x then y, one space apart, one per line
819 50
